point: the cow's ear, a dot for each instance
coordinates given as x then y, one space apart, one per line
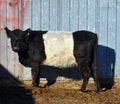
28 31
8 32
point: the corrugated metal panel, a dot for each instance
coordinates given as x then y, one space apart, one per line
3 41
100 16
118 41
36 12
73 13
91 15
83 12
45 17
64 16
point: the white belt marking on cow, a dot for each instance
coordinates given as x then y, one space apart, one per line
59 49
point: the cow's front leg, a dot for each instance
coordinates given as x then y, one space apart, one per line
35 75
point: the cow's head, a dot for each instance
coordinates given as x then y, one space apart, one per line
18 39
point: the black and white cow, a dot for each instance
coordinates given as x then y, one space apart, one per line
59 49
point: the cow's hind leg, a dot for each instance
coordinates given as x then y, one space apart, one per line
85 71
94 68
95 76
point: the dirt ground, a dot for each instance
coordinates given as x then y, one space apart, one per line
67 92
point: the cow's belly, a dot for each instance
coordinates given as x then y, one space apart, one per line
59 49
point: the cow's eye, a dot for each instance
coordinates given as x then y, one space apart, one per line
12 40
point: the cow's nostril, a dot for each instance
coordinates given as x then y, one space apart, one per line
16 49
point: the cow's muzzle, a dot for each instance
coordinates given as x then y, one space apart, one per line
16 49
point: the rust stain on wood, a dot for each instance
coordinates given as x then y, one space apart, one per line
23 9
13 3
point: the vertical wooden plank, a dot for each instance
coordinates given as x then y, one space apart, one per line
118 42
102 50
3 43
3 38
28 14
25 15
53 14
83 12
12 13
112 3
12 23
45 14
59 15
65 25
97 17
25 21
111 39
91 15
74 15
36 14
104 3
103 23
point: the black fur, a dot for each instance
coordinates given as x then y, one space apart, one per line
85 52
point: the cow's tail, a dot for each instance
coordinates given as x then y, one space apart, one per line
95 51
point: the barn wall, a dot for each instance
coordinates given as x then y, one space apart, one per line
99 16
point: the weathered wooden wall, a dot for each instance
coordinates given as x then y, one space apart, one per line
99 16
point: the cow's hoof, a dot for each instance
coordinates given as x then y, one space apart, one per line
97 90
83 90
35 85
36 90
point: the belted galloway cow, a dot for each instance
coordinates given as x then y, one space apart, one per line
58 49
